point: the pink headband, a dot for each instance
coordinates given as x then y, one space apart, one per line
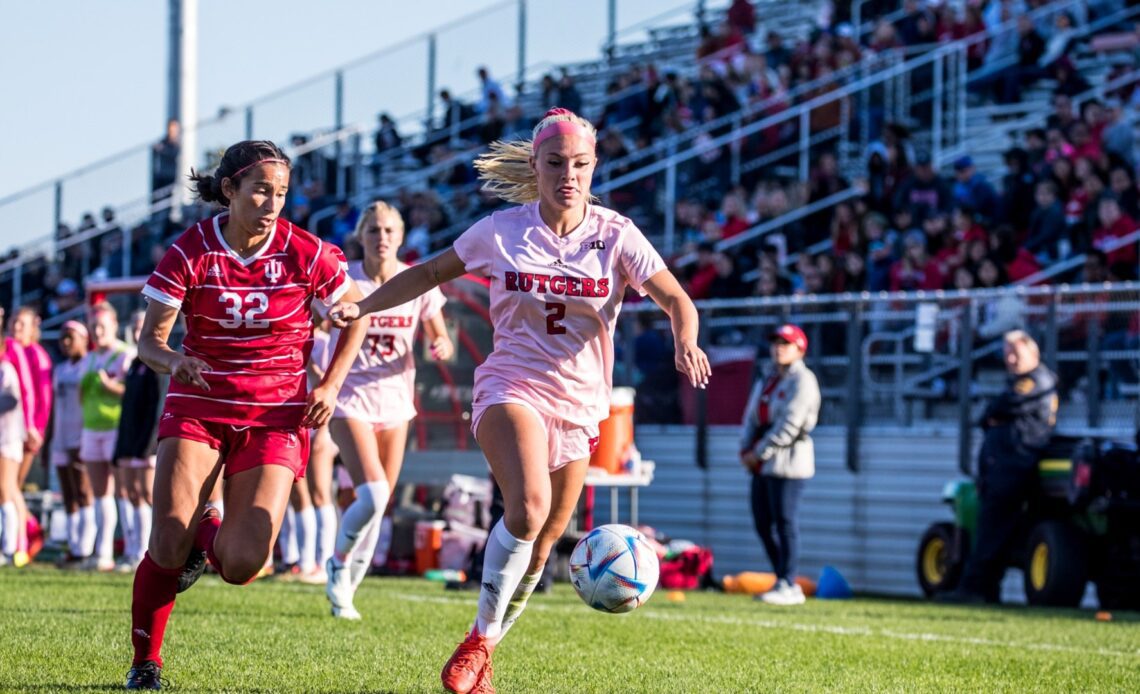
76 326
562 127
247 167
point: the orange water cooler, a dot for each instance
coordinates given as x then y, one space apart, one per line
615 434
428 540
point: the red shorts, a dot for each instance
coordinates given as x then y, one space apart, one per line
243 448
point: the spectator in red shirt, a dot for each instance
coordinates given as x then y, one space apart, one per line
733 217
1114 224
742 16
915 270
1018 262
1083 143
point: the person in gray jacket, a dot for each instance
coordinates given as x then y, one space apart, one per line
776 448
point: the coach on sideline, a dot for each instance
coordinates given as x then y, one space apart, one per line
776 448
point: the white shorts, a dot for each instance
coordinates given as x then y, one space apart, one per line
62 458
385 403
137 463
12 450
97 446
566 442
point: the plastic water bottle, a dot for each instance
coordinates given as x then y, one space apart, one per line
446 575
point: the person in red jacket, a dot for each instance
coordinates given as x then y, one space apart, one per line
1114 224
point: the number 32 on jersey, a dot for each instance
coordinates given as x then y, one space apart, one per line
243 311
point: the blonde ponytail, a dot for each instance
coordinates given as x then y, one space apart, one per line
505 168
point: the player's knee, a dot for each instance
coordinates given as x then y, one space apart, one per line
526 520
170 542
242 569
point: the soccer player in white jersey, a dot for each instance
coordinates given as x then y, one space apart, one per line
73 482
370 425
559 267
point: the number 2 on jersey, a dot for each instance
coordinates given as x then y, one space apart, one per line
253 303
556 311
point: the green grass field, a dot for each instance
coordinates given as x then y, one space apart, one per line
69 632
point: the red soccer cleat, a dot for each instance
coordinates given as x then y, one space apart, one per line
463 671
483 684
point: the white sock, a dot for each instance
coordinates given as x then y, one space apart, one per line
361 559
504 564
9 518
105 519
144 518
220 505
130 533
326 533
384 545
307 537
371 500
518 600
88 529
287 540
74 546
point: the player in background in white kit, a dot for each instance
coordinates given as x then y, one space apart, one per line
66 427
13 434
370 424
559 267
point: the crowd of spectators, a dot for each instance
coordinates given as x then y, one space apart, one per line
1068 189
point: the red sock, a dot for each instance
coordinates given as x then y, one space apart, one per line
204 539
152 602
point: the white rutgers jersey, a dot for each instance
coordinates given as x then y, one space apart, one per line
555 302
68 410
380 387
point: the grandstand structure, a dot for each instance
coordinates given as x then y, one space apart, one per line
903 374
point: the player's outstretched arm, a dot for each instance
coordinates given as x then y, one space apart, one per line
405 286
666 291
155 351
322 399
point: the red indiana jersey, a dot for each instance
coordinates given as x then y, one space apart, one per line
248 319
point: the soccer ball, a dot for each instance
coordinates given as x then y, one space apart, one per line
614 568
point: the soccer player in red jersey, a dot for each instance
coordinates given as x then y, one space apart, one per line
559 267
238 403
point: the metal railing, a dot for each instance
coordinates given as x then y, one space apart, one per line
946 63
908 357
332 100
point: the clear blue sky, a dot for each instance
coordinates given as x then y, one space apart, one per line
83 79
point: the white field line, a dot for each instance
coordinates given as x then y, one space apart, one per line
813 628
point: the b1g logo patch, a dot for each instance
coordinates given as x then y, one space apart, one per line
593 245
593 443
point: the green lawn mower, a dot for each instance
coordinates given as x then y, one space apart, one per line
1081 524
